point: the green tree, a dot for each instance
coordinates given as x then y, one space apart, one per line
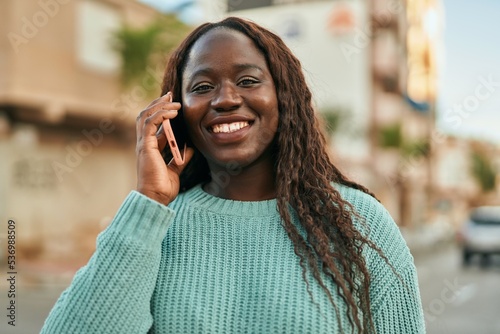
147 47
335 119
391 136
483 171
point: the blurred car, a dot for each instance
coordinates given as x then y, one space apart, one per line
481 234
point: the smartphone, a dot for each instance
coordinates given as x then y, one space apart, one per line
175 133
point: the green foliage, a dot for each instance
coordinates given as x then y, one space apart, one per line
483 171
391 136
146 47
418 148
333 119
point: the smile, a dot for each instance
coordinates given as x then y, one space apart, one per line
229 127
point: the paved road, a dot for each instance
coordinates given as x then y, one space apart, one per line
459 300
32 307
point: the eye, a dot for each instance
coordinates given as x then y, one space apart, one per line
201 88
248 81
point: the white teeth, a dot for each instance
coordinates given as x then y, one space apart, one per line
229 127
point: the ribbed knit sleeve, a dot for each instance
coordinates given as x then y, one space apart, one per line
395 296
394 292
400 310
112 293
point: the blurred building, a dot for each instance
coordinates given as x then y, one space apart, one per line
405 36
66 126
455 187
467 175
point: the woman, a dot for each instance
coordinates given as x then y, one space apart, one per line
257 232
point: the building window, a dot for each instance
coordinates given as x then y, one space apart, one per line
96 23
30 173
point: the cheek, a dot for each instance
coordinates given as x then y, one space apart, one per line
193 112
270 129
192 125
270 105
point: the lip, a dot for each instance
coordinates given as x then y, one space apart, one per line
231 137
228 119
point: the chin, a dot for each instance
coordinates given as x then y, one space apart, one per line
238 159
231 160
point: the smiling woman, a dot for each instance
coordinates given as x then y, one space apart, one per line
231 111
257 231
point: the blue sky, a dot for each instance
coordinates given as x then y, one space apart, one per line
472 52
471 56
189 14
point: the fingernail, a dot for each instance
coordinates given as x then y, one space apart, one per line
169 96
170 110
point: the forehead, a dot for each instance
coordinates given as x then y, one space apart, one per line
223 47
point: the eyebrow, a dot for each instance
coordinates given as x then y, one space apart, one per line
239 67
248 66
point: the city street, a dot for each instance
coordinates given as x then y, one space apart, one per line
459 300
456 300
32 307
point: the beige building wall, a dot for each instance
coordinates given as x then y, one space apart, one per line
59 198
66 126
46 74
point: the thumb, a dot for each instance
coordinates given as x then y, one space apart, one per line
189 153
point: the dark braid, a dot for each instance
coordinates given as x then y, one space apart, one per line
304 176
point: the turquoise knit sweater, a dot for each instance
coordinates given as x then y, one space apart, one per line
210 265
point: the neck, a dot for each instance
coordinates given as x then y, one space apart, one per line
251 183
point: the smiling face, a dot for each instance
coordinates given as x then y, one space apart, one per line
229 100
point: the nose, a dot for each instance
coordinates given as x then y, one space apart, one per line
226 98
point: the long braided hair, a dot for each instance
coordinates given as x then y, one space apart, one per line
304 175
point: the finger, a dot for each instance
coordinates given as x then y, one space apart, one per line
167 98
164 103
147 113
153 122
162 138
189 152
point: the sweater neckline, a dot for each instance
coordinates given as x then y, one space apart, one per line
200 198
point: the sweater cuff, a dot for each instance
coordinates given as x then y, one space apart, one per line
142 218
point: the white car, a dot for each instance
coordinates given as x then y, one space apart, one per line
481 234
